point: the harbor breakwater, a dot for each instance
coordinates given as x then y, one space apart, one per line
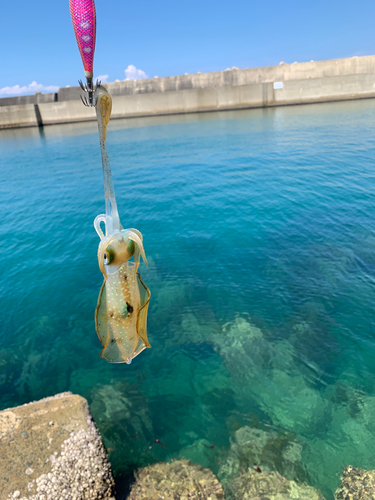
285 84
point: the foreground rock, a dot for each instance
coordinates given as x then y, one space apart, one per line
176 481
271 486
51 449
356 484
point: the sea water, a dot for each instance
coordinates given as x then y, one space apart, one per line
259 228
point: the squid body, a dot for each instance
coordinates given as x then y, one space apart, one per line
121 311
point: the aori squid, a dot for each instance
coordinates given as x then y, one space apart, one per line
121 311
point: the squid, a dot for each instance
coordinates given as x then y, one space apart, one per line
121 311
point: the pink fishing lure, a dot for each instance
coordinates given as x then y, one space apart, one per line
84 23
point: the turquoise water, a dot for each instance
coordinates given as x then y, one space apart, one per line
259 230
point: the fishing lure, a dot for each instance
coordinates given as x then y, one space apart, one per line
121 311
83 16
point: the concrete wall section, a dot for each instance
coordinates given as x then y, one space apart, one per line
18 116
235 77
245 96
69 93
320 81
325 89
28 99
188 101
65 112
185 101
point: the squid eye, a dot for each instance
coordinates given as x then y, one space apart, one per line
109 256
131 247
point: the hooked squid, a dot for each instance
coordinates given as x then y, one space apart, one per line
121 311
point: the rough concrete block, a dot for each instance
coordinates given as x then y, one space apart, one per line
53 447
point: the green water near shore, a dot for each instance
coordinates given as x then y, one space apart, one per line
259 231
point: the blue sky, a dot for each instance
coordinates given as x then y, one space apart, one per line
38 47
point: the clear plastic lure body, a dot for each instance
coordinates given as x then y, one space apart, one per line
121 311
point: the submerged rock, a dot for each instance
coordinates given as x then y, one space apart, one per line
267 449
124 420
171 296
201 452
254 485
244 350
356 484
350 432
292 403
176 480
265 372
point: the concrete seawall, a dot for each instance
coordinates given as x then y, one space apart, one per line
285 84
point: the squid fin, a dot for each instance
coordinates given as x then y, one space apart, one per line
142 317
138 247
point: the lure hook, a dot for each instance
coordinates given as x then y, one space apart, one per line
90 99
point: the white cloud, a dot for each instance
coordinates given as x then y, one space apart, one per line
102 78
132 73
27 89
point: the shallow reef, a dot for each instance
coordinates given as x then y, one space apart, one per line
224 395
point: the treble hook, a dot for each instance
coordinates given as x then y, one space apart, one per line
90 100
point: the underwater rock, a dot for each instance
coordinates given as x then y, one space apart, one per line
268 450
350 432
282 355
189 324
292 403
254 485
121 411
9 371
176 480
265 372
196 331
122 402
243 348
201 452
192 326
171 296
356 484
51 449
241 329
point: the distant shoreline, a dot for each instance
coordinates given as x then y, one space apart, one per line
269 86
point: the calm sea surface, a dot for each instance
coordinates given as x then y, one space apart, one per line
259 228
